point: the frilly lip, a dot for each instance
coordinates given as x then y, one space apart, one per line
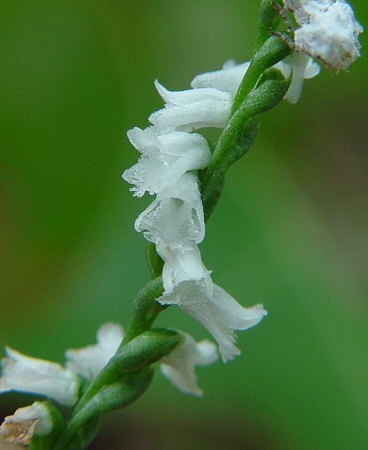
165 159
217 310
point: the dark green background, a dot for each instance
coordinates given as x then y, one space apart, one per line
290 231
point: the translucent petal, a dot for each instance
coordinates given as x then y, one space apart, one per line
145 176
178 366
228 79
182 263
89 361
220 313
175 216
312 69
26 374
143 140
165 158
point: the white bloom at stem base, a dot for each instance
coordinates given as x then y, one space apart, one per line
25 422
26 374
89 361
165 158
218 311
178 366
328 31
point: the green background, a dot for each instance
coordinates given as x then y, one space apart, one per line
290 230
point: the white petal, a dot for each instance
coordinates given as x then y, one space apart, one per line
109 336
26 374
220 313
178 366
182 263
25 422
228 79
312 69
178 143
188 117
299 64
145 176
303 67
165 159
191 96
89 361
143 140
176 215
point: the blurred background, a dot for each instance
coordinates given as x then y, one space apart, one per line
290 231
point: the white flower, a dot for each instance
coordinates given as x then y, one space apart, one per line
25 422
176 216
178 366
328 31
89 361
218 311
174 221
26 374
183 270
165 158
228 79
303 68
191 109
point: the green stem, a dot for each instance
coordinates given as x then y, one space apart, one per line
117 395
268 18
213 180
139 353
238 137
129 372
155 262
271 52
145 309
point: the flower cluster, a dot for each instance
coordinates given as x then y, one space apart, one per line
328 31
23 373
171 155
117 369
27 374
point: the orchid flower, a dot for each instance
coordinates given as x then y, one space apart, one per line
23 373
178 366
